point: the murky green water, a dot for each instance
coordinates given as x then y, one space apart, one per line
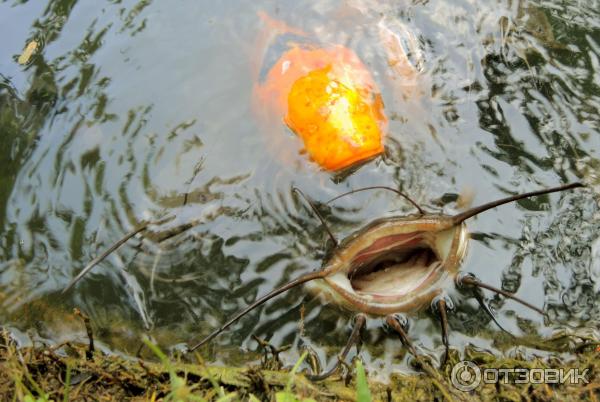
130 111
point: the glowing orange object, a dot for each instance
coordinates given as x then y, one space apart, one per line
329 99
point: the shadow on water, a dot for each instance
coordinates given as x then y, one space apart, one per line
133 111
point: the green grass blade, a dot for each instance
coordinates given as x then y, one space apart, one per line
67 384
363 394
290 382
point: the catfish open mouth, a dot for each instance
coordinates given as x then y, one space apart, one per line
386 270
395 272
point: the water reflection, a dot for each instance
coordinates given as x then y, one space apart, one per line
134 111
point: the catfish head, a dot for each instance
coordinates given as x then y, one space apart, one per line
395 265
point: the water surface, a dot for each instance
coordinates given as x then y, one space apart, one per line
132 111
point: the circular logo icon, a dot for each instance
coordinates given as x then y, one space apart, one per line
465 376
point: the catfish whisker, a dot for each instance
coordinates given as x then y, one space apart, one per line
488 311
354 338
291 284
316 211
401 194
477 210
471 280
140 228
441 306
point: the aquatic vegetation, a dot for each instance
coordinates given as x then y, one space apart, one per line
522 35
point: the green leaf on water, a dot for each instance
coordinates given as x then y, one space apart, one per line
363 394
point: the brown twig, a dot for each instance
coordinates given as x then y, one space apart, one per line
89 354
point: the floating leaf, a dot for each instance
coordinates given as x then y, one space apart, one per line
28 52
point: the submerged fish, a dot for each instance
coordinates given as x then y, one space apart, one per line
324 94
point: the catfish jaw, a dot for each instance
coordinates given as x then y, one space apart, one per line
395 264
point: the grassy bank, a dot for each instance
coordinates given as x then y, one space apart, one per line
74 372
